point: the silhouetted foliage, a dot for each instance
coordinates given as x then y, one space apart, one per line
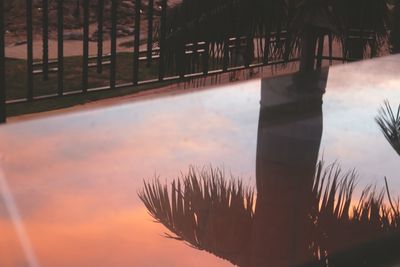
389 122
211 213
359 25
197 206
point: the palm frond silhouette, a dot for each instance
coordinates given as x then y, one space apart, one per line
214 213
339 220
389 122
196 207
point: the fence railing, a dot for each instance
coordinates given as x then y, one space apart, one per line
40 77
2 66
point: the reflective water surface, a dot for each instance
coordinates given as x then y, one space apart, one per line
71 184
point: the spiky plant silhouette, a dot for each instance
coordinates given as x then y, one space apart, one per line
340 220
197 206
211 213
389 122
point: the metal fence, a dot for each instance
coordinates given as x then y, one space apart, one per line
147 51
2 66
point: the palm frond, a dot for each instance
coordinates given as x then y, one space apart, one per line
340 221
216 214
389 122
204 209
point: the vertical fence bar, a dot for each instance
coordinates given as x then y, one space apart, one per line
237 52
320 51
2 67
136 51
248 49
267 43
163 22
85 61
100 23
77 12
29 32
330 43
226 54
180 60
195 59
60 44
45 35
206 57
150 14
113 66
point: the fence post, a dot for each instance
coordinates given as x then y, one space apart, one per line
267 44
45 58
206 58
163 26
100 24
60 45
150 15
226 54
85 61
136 51
29 62
113 65
320 51
2 67
330 41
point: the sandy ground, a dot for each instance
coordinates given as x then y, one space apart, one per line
71 48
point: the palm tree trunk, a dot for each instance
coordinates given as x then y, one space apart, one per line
281 229
308 46
288 144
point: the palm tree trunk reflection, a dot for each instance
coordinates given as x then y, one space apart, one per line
289 136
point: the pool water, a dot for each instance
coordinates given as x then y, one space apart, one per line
70 183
